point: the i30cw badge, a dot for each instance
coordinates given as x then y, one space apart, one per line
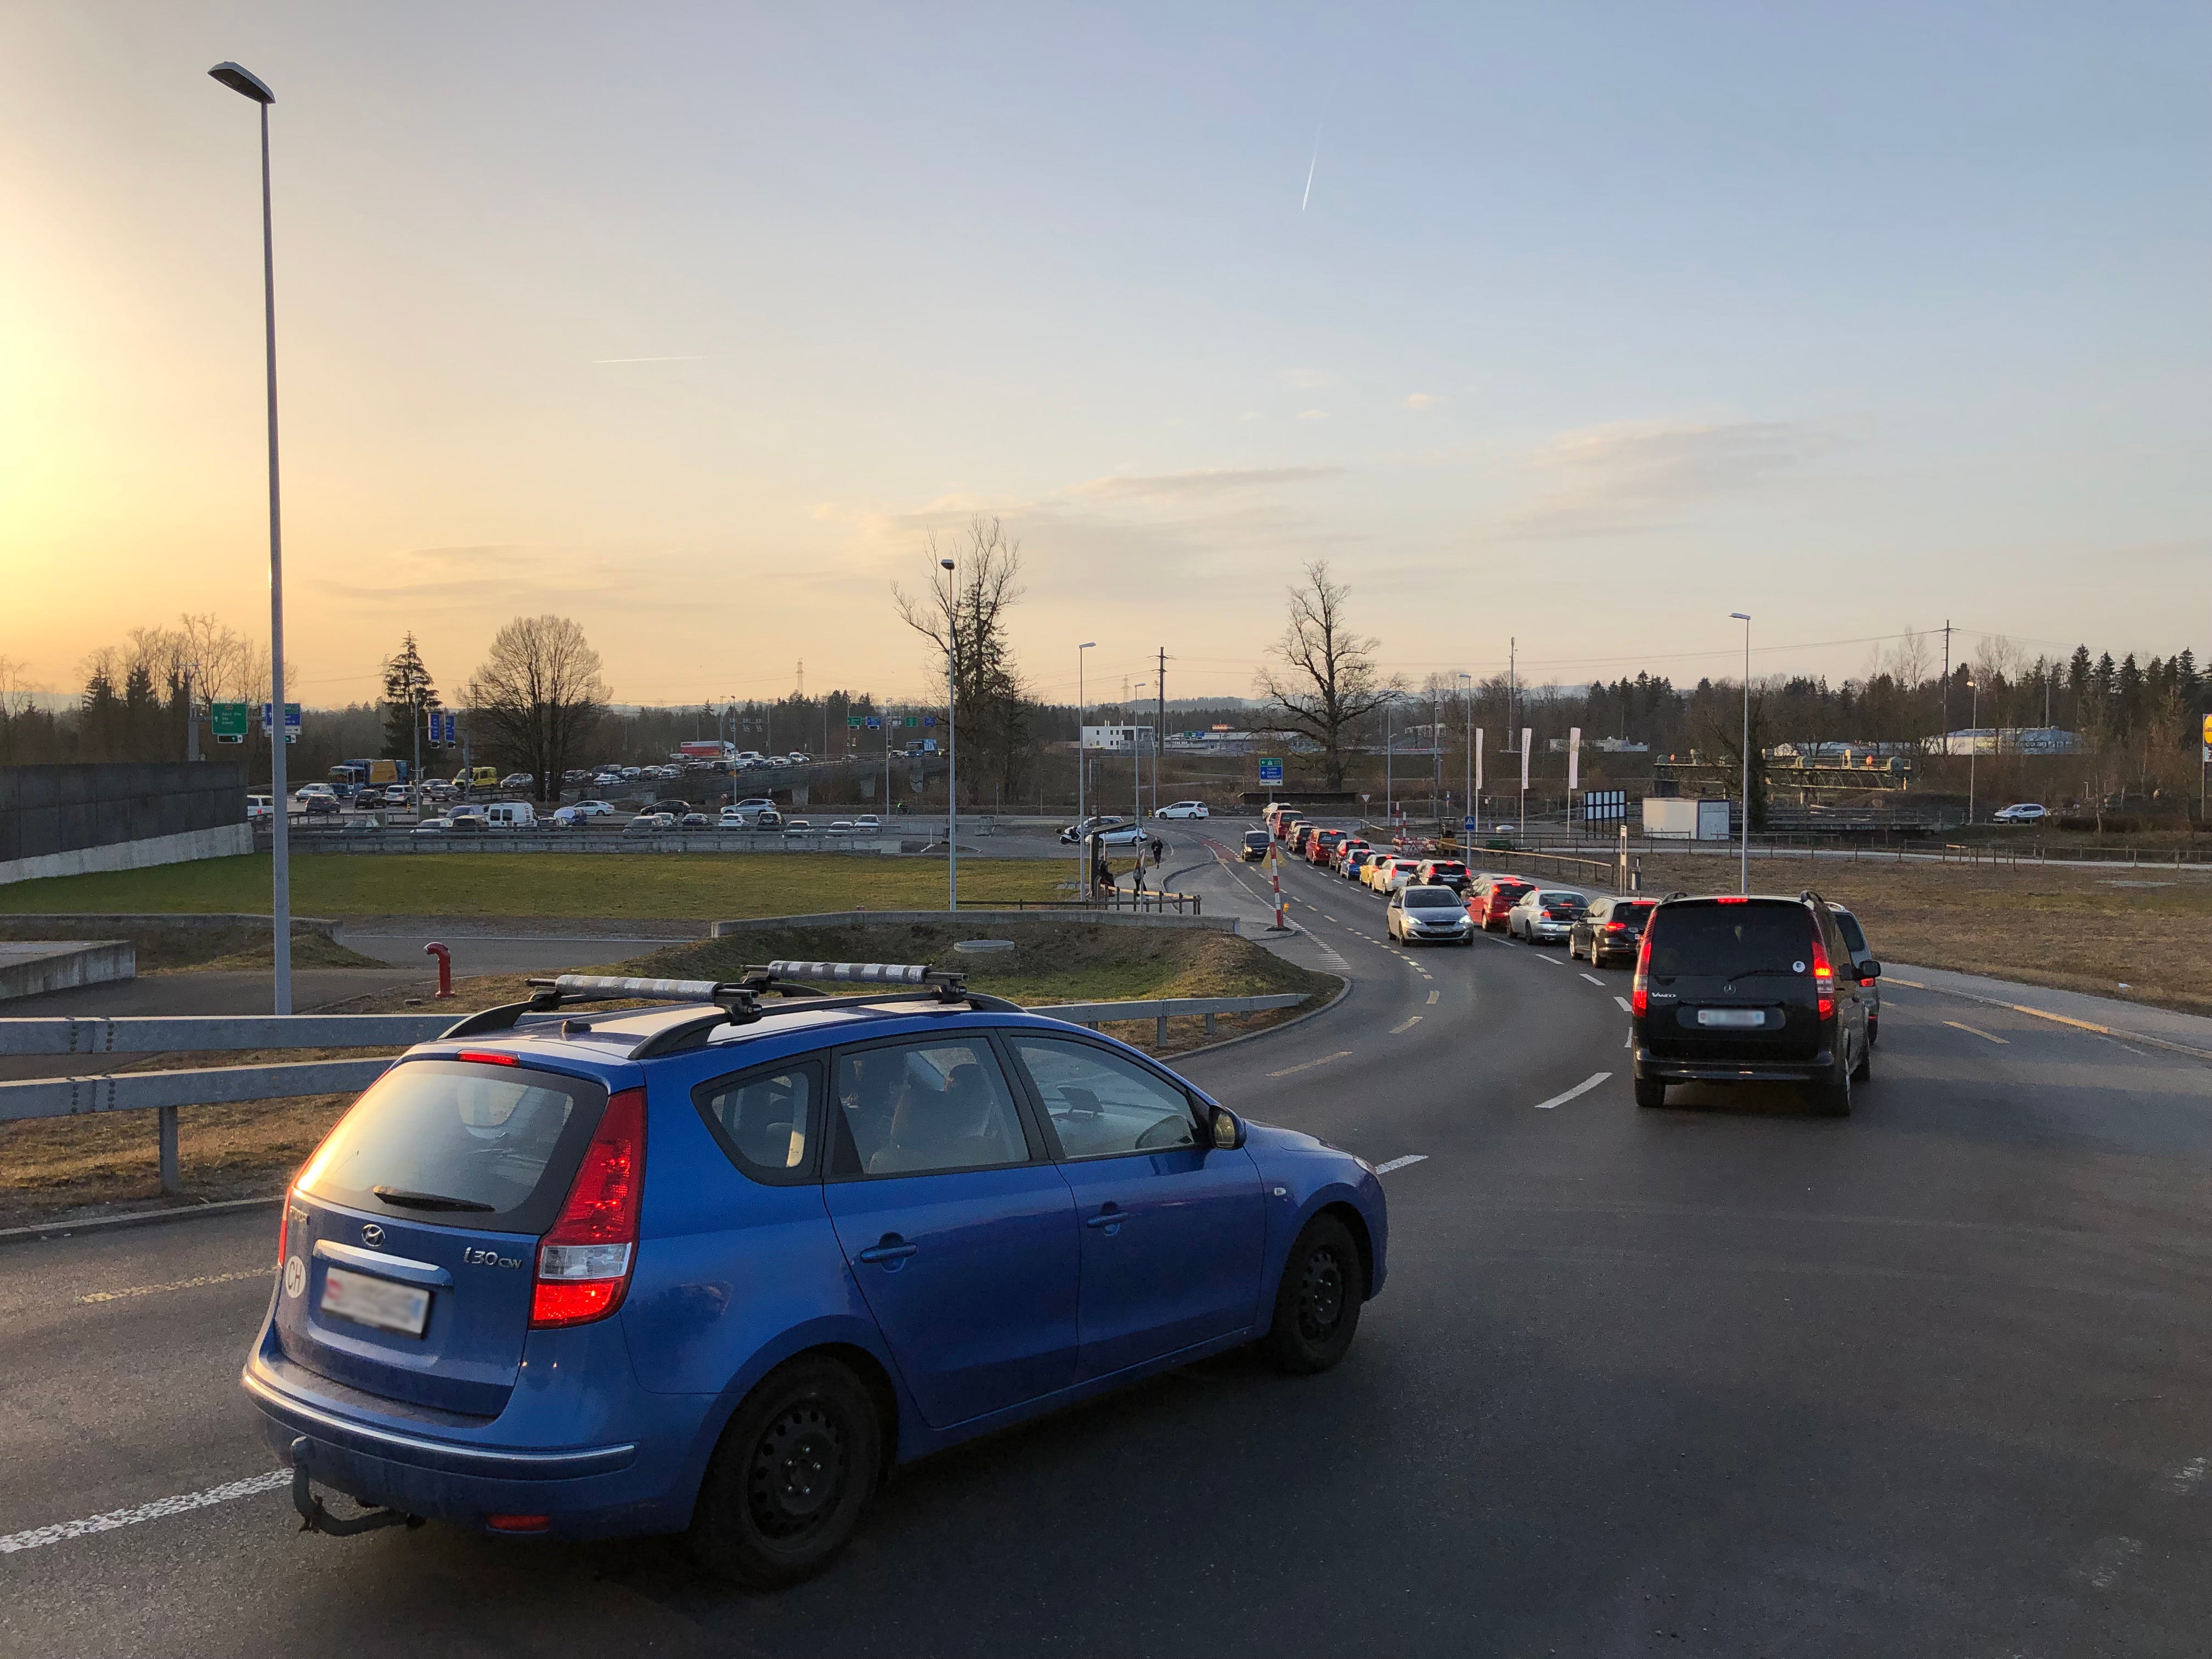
373 1236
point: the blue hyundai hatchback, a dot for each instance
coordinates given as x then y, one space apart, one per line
718 1266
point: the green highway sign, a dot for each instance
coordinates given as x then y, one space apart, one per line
229 721
914 719
852 722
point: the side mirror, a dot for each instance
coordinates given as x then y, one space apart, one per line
1869 969
1228 1129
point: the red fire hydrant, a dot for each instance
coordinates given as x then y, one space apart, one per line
445 968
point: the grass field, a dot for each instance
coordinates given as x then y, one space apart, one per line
2089 930
695 885
62 1165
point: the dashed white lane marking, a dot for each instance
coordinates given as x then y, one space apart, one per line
1593 979
1433 996
2183 1478
1975 1030
176 1284
2107 1558
1624 1008
1549 962
1582 1088
1342 1054
1325 914
1400 1163
160 1508
1404 1025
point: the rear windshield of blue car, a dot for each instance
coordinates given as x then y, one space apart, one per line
495 1146
1775 936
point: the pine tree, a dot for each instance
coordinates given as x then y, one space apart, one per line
2078 670
408 695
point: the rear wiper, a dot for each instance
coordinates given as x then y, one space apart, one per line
406 1199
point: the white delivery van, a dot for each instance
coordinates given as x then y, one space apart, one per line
510 815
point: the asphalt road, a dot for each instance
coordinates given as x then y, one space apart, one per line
1722 1378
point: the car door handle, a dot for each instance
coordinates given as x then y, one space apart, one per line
898 1252
1109 1217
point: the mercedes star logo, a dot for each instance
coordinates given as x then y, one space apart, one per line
373 1236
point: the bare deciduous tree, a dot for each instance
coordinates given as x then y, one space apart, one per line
537 697
963 613
1324 680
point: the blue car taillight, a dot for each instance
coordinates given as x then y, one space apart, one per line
585 1262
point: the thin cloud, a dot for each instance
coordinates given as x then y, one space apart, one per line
1422 400
1312 415
707 358
1170 485
1627 476
1306 379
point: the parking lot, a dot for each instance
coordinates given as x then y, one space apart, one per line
1721 1378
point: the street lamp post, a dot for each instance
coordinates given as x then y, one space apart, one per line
1082 765
952 754
1466 713
1744 869
1973 743
249 85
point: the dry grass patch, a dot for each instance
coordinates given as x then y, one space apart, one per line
2088 930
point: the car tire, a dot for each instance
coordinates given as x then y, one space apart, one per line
1650 1091
1874 1031
1318 1303
1863 1072
1834 1097
789 1478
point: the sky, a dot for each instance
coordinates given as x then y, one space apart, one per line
1574 326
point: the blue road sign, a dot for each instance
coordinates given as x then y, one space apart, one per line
929 719
1271 771
1467 826
875 722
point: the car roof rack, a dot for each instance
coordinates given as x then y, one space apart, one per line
738 1001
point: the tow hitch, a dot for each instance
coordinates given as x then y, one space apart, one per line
313 1517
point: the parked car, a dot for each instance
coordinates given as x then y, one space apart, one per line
1736 989
1184 809
2026 812
1422 914
1863 965
1611 928
1545 915
1492 897
1256 843
488 1292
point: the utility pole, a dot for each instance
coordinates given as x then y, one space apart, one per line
1160 691
192 715
1947 684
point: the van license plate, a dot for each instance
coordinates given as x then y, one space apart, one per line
1738 1018
369 1301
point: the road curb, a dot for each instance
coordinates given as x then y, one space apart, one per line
106 1224
2115 1032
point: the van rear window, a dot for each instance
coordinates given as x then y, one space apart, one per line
496 1145
1729 938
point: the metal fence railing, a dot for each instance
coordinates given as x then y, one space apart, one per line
164 1091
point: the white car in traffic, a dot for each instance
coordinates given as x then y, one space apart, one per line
1184 809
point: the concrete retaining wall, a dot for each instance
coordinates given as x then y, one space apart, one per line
55 965
32 924
66 820
230 840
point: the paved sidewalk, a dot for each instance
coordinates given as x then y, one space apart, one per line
2158 1025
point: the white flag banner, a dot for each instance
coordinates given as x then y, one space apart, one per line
1574 757
1527 735
1478 766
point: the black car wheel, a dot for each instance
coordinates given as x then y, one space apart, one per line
1834 1097
1863 1072
1651 1091
788 1481
1318 1303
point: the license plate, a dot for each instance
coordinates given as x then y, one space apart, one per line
1740 1018
370 1301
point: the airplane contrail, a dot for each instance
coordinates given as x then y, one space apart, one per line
1310 166
707 358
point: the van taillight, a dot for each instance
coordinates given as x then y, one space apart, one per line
1639 993
1823 978
584 1264
284 1230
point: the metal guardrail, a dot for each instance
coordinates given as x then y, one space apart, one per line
165 1092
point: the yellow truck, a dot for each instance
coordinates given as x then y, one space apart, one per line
476 777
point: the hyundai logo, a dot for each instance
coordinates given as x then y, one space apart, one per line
373 1236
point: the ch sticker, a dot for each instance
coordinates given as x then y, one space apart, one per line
295 1276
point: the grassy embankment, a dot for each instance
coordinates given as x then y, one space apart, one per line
56 1165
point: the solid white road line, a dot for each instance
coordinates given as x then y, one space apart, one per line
1404 1025
160 1508
176 1284
1582 1088
1976 1030
1593 979
1624 1008
1287 1071
1400 1163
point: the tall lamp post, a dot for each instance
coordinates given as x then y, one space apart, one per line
1744 873
951 753
246 83
1467 713
1082 765
1973 743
